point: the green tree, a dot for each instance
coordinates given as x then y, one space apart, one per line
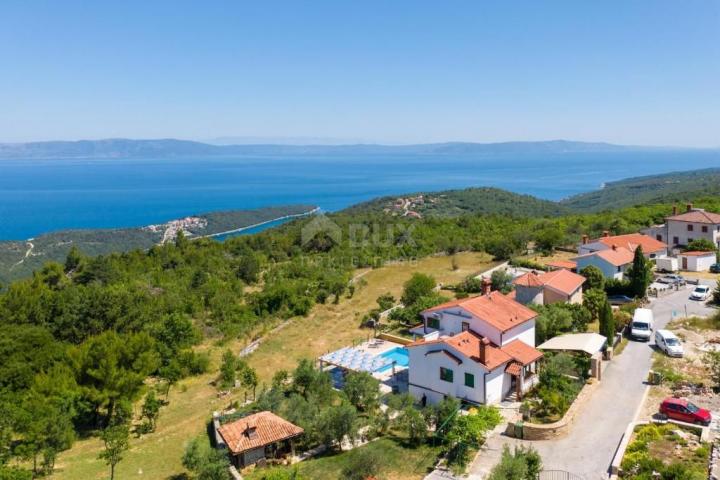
115 440
151 409
701 245
73 259
362 390
552 320
712 360
594 300
549 237
228 369
469 431
111 368
640 274
337 423
414 424
607 323
716 294
205 462
419 286
594 276
248 267
385 301
501 280
522 464
248 378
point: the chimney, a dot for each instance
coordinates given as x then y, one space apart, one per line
482 354
675 210
614 247
486 286
689 207
584 239
606 233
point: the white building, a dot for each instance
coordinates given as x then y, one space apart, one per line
681 229
697 261
477 349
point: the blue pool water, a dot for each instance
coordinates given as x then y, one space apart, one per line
399 355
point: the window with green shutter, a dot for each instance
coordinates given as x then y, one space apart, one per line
433 323
470 380
446 374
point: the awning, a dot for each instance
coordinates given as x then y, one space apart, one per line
590 343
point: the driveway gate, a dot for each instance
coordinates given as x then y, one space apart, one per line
558 475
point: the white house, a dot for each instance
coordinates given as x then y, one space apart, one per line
697 261
680 229
613 262
651 247
549 287
477 349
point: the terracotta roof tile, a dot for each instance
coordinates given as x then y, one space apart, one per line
522 352
496 309
697 216
619 257
568 264
514 369
468 344
257 430
529 279
631 241
563 281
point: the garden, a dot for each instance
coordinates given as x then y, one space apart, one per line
665 452
561 379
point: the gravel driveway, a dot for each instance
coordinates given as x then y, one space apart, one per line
588 449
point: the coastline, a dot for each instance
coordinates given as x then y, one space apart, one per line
260 224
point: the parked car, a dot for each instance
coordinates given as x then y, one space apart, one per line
669 343
700 293
715 268
642 324
672 280
620 299
684 411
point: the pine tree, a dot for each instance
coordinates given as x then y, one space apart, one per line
607 322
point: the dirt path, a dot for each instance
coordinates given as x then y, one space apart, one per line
27 253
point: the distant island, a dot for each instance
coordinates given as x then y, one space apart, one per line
168 148
20 258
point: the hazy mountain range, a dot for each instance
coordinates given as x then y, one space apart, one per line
164 148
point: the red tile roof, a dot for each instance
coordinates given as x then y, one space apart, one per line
696 254
257 430
564 281
468 344
514 369
568 264
619 257
697 216
496 309
522 352
632 241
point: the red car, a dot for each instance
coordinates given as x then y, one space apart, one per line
684 411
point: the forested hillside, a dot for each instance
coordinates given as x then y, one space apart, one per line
454 203
19 259
667 188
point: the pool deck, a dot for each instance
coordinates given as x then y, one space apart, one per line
378 347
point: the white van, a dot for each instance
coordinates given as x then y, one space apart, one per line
642 324
669 343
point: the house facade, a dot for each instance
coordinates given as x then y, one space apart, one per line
557 286
478 349
613 263
696 261
680 229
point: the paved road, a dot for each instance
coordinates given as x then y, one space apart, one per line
588 449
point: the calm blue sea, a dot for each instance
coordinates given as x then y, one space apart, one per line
38 196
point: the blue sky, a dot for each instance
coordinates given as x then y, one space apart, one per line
636 72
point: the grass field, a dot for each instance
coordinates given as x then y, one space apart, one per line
399 462
158 455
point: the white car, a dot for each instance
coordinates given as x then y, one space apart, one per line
669 343
701 292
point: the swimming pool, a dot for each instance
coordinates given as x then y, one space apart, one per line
399 355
